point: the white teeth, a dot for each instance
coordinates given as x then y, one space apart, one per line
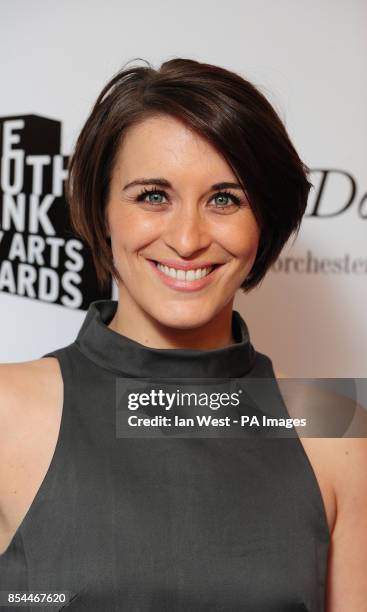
188 275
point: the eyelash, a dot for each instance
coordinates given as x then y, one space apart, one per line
140 198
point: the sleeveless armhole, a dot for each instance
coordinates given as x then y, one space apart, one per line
13 561
266 369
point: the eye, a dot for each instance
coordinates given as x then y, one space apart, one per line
151 192
225 195
157 194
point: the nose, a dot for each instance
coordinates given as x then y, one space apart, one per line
186 231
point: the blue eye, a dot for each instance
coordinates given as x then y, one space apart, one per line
225 194
141 197
234 200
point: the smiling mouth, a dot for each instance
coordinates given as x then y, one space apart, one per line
185 275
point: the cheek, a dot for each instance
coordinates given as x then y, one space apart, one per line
131 230
242 239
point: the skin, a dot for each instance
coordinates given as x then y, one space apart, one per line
185 227
185 224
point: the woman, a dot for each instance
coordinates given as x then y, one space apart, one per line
186 186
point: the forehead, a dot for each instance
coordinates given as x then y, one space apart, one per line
165 140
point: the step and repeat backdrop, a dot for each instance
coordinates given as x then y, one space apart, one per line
310 313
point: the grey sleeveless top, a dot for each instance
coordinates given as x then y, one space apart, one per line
169 523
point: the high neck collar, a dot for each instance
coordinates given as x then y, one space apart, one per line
126 357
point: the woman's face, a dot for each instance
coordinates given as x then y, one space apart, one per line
187 222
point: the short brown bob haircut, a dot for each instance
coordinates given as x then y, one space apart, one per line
225 109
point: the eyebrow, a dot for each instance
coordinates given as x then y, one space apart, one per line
164 183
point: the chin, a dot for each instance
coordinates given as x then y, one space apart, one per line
183 318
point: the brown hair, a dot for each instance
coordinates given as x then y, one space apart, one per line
225 109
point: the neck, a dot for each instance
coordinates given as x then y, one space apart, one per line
134 323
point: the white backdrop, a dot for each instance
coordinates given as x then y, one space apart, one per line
309 59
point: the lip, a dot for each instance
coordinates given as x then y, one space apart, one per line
185 265
183 285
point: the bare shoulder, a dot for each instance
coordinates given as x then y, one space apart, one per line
27 387
340 463
323 405
18 379
31 400
29 390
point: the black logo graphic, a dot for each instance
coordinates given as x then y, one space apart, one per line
40 257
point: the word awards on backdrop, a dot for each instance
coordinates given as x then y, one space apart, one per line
40 257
